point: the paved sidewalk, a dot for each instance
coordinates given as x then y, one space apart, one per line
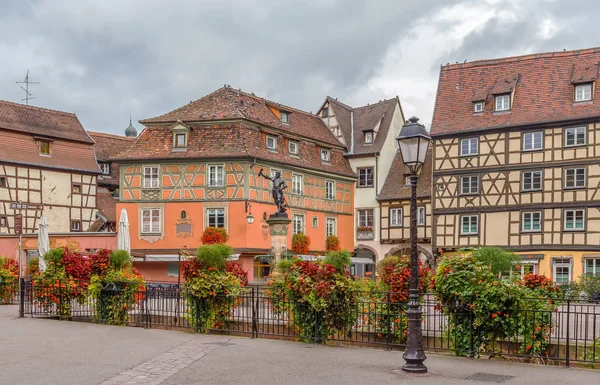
38 351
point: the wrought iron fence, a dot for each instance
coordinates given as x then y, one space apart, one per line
9 292
572 331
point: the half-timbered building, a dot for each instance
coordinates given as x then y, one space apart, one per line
516 160
368 133
199 165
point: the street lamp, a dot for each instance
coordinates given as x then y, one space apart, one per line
249 217
413 142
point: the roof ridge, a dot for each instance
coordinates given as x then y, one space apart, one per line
346 106
267 101
379 102
510 59
115 136
21 105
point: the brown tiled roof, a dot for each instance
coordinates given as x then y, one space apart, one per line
42 122
109 145
65 155
394 186
231 140
228 103
107 205
365 118
543 92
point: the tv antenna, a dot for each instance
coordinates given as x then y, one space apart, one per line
28 94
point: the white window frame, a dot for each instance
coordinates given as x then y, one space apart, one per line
575 180
293 147
502 102
470 218
329 190
472 145
284 117
76 228
215 212
369 137
532 188
396 217
595 266
273 139
533 135
421 216
574 213
560 262
521 271
576 131
531 215
298 224
315 222
585 94
152 222
153 181
176 135
213 175
478 107
366 177
330 227
273 171
325 155
297 184
363 218
407 180
470 189
3 221
105 168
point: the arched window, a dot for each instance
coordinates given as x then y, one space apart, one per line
183 215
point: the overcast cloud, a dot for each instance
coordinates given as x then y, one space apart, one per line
98 58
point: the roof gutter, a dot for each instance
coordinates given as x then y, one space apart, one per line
352 132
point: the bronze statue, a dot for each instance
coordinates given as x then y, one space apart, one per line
277 191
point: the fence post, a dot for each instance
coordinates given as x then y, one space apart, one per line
389 324
568 348
471 352
21 297
197 315
254 322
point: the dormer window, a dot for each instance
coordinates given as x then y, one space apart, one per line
293 147
180 140
502 102
583 92
44 147
478 107
180 136
369 137
271 142
325 154
284 117
105 168
325 112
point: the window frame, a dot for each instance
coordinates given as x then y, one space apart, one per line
3 221
79 226
575 144
158 221
398 222
176 136
170 264
595 267
44 143
332 184
76 186
470 149
584 218
366 217
327 224
523 189
470 216
295 178
325 112
502 97
214 183
3 182
295 144
462 192
327 153
295 222
421 214
581 86
556 264
575 186
315 222
151 178
284 117
532 141
274 139
216 212
104 167
369 135
360 170
475 104
532 229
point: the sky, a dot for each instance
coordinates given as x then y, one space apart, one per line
101 58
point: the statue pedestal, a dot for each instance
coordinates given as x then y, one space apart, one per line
278 228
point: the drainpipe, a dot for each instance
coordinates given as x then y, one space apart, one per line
352 132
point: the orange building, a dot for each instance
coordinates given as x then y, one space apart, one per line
198 166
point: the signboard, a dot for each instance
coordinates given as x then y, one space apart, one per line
18 224
26 206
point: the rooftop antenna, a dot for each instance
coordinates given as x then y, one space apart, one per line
28 94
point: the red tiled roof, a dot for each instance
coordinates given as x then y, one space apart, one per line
228 103
107 205
109 145
42 122
543 91
395 187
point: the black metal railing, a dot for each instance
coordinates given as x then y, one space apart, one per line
572 331
9 292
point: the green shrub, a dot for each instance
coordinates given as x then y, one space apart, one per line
214 255
590 287
339 259
499 260
54 256
390 261
284 265
120 259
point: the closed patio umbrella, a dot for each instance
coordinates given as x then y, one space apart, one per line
43 242
123 236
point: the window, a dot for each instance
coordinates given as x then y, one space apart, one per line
365 218
369 137
172 269
180 140
44 147
105 168
297 184
151 177
420 216
470 224
262 269
271 142
469 146
325 155
469 184
75 225
325 112
215 217
183 215
532 221
215 175
562 270
502 102
3 222
315 222
329 189
574 177
592 267
365 177
330 227
293 147
574 220
274 171
395 217
298 223
532 180
583 92
3 182
533 141
407 180
478 107
525 267
76 189
284 117
151 221
575 136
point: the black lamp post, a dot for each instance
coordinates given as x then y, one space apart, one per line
413 142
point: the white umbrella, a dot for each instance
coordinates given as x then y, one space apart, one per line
43 242
123 237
